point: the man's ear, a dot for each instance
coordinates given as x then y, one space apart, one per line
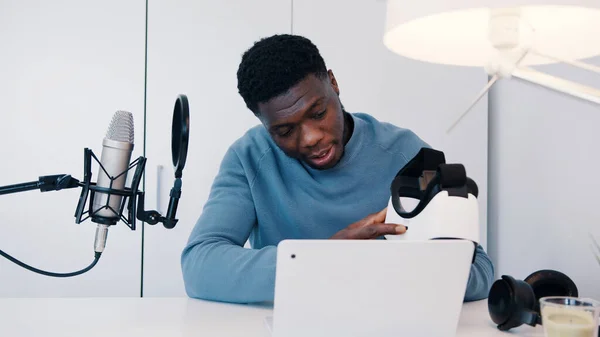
333 82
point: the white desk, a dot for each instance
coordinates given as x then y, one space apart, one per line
147 317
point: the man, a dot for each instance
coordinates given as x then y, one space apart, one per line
310 171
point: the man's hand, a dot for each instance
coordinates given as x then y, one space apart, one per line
371 227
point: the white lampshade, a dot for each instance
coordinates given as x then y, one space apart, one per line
458 32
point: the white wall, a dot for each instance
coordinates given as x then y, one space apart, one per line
543 180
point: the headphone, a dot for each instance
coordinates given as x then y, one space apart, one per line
513 302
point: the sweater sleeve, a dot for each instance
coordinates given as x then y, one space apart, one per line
481 277
215 264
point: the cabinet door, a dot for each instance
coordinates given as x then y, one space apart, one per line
66 67
410 94
194 48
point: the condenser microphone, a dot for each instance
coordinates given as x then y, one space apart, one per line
110 200
112 174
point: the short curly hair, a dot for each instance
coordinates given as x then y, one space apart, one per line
275 64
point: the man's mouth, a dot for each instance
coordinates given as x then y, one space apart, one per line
323 157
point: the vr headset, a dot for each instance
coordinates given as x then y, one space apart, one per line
447 205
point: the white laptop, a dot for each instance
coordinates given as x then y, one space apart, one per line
380 288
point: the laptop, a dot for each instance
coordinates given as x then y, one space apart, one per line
369 288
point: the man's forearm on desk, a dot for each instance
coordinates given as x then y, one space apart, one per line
219 271
481 277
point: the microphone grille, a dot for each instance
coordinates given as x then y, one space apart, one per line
121 127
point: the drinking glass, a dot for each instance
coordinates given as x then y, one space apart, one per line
564 316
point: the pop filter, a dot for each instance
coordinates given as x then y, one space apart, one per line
180 133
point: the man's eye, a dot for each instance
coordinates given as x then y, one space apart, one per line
320 114
284 132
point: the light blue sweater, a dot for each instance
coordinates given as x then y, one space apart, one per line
261 194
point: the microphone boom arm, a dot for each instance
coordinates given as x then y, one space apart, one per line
44 184
59 182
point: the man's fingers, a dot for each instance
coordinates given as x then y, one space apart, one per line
369 232
377 218
381 215
377 230
392 228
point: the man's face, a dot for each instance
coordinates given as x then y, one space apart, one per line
307 122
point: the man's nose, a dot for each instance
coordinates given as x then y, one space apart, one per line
310 136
